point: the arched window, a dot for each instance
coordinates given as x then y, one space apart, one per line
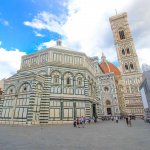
79 81
22 102
131 66
128 51
106 89
10 90
68 80
123 51
122 35
108 102
56 79
25 88
126 67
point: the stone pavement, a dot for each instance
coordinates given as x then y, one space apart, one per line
105 135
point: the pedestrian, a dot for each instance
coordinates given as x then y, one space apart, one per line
78 122
116 118
82 121
112 118
89 120
74 123
127 122
95 118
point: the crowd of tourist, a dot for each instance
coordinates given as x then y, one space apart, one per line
81 121
117 118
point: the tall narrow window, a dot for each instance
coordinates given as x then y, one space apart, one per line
126 67
68 81
123 51
128 89
79 81
122 35
131 66
108 102
128 51
56 79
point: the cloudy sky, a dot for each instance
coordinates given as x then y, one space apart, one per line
27 26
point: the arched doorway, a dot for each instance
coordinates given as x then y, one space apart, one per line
108 104
94 110
109 111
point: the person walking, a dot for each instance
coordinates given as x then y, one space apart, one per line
127 122
82 121
112 118
89 120
74 123
78 123
116 118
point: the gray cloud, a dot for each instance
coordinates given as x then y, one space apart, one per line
139 14
87 27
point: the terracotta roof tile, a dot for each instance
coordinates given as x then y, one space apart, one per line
108 67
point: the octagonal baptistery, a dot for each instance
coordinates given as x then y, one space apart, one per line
55 85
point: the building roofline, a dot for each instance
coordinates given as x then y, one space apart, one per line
61 48
118 16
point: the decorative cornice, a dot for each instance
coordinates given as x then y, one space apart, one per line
118 16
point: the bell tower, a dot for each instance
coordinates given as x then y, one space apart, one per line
128 61
126 52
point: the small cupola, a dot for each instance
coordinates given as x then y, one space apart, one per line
103 57
59 42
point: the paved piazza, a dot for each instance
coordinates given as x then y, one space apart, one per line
105 135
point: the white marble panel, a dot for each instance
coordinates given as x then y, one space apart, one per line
16 112
82 112
54 103
57 113
6 112
20 112
52 113
66 112
25 113
78 113
10 112
58 103
70 113
71 104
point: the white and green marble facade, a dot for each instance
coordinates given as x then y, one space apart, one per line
108 95
58 84
52 86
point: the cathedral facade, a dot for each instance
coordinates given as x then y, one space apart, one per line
58 84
